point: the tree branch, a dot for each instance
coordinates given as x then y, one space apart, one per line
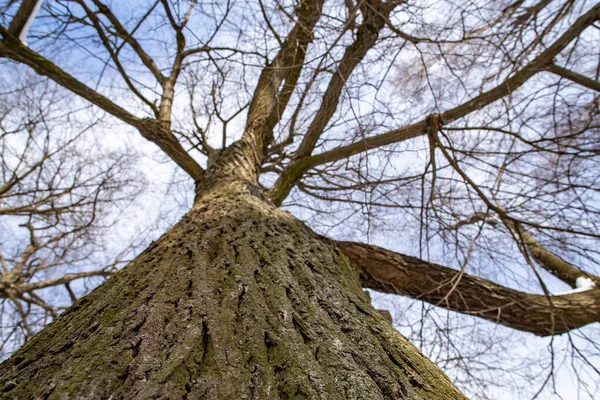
19 25
375 14
12 48
389 272
65 279
298 167
268 101
128 37
547 259
575 77
113 53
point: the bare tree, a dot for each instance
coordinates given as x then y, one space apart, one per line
468 130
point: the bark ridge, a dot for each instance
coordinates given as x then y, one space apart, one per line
238 300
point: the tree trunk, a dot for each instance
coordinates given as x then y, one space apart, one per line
239 300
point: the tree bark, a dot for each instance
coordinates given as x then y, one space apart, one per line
238 300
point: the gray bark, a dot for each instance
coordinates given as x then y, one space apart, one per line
238 300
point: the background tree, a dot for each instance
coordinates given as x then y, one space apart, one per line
57 201
468 129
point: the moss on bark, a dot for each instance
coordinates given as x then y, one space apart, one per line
238 300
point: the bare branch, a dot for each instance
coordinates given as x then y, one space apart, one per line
23 18
129 39
395 273
12 48
575 77
296 168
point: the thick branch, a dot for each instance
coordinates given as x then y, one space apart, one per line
297 168
168 96
575 77
12 48
164 138
268 102
394 273
19 22
375 14
366 37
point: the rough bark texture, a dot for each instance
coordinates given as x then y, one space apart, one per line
390 272
238 300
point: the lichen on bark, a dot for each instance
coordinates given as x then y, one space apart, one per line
238 300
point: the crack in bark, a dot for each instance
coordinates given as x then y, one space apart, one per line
249 303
